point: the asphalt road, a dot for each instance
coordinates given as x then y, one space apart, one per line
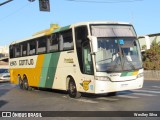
146 99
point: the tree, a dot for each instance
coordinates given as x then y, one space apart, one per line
151 57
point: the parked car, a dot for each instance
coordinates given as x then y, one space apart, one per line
4 74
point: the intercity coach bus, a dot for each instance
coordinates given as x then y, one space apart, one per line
87 57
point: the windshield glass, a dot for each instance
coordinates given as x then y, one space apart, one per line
118 54
112 30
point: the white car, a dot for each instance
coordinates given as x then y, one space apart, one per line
4 74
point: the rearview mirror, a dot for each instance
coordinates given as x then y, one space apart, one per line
94 43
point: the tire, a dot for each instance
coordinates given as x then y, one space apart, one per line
25 84
20 82
72 90
111 94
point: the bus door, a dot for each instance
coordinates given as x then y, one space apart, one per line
87 59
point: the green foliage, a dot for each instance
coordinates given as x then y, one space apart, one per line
151 57
144 47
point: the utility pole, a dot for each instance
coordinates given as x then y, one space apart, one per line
5 2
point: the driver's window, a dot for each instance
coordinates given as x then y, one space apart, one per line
87 60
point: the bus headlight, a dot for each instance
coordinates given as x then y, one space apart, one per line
140 75
102 78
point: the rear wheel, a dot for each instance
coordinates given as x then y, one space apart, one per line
25 83
72 90
20 82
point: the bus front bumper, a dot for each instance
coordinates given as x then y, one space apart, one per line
109 86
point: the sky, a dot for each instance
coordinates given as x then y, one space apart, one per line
20 19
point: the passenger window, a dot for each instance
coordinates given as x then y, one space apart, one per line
18 50
42 44
12 51
53 43
24 49
66 40
32 47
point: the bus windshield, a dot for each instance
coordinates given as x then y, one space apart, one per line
118 54
118 48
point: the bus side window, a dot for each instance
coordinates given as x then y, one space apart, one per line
24 49
66 40
32 47
42 45
18 50
12 51
53 43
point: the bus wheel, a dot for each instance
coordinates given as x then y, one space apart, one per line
20 82
72 90
25 83
111 94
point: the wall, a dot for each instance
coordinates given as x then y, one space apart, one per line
151 75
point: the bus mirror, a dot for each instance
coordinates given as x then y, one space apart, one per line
94 43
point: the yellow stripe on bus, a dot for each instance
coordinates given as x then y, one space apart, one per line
33 74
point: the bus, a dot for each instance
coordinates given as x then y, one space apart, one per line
87 57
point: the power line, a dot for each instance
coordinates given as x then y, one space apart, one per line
104 1
5 2
14 12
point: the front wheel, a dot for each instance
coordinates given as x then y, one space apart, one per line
72 90
112 94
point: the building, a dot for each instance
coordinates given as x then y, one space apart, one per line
146 40
4 51
4 54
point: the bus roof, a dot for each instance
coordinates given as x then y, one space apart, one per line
55 28
100 22
29 38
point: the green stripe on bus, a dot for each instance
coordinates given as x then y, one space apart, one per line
124 74
130 74
52 69
44 70
127 74
61 29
